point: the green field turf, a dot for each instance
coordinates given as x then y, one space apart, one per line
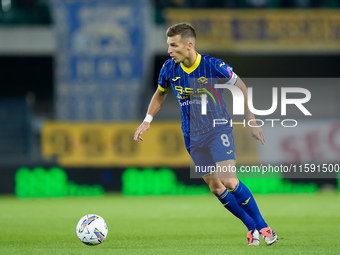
306 224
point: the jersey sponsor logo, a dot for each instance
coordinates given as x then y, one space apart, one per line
185 93
246 202
190 102
204 81
215 92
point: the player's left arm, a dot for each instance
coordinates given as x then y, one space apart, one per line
255 129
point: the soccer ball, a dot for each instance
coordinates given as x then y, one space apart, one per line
92 229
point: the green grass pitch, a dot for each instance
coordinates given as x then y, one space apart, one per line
305 223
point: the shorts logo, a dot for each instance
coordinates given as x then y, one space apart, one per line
228 152
222 64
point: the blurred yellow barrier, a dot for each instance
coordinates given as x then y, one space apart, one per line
111 144
262 30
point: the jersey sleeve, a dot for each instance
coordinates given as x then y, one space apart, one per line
163 80
225 72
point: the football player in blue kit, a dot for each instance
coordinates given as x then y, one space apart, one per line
192 75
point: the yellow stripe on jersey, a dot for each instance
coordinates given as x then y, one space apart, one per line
163 89
194 66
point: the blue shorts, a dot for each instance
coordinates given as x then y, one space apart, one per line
211 147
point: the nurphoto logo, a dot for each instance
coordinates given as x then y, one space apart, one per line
238 105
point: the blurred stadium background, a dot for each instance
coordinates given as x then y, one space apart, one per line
77 76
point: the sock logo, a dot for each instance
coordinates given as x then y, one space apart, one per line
246 201
225 204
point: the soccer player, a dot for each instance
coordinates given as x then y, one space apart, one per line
192 76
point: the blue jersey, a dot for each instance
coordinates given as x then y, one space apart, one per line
189 84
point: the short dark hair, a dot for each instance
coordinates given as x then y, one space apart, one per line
185 30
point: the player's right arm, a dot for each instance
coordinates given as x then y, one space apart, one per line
155 105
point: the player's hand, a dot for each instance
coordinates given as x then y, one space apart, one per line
257 133
140 130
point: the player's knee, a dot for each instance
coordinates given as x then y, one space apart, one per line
230 183
217 189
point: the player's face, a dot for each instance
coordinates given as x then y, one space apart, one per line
178 48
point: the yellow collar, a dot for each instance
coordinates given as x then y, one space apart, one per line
192 68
